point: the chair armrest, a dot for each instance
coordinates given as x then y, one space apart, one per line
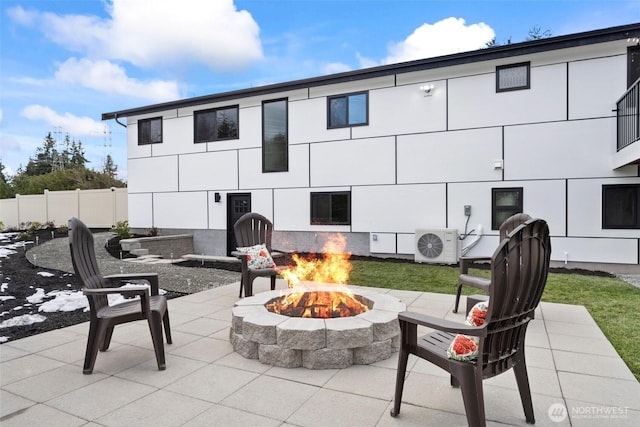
468 261
442 324
277 254
239 254
152 278
126 292
243 257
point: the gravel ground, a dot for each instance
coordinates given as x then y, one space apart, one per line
54 254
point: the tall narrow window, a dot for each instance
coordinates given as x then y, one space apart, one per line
347 110
275 141
331 208
621 206
504 203
633 65
513 77
150 131
216 124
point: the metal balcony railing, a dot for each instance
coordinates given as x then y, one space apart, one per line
628 116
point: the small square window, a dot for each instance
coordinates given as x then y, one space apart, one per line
513 77
621 206
331 208
347 110
505 202
150 131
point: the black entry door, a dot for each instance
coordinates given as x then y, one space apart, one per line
238 204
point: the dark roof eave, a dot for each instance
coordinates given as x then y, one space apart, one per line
491 53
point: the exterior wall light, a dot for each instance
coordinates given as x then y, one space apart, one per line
427 89
216 197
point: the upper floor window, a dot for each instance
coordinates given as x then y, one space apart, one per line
150 131
348 110
513 77
621 206
331 208
633 65
505 202
275 140
216 124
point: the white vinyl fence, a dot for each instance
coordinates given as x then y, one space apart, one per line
96 208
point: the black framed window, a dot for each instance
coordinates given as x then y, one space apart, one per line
275 140
621 206
513 77
348 110
150 131
331 208
505 202
633 65
216 124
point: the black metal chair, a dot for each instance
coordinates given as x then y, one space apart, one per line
104 317
519 269
466 262
254 229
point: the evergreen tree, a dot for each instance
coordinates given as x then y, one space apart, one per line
3 178
77 158
536 33
109 168
44 160
6 190
59 170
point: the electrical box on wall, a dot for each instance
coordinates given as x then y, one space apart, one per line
467 210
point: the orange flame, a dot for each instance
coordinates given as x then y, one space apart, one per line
333 268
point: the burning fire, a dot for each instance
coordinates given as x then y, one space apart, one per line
334 267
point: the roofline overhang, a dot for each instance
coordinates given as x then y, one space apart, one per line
486 54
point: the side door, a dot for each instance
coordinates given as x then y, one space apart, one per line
238 204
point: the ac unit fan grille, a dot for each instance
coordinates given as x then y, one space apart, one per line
430 245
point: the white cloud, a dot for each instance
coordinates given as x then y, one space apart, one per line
108 77
80 126
450 35
335 67
157 33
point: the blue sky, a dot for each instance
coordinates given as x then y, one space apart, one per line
63 63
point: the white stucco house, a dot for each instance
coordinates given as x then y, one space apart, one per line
386 155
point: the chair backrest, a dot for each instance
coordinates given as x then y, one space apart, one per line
253 229
519 269
512 223
84 261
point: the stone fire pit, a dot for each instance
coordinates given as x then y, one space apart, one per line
314 343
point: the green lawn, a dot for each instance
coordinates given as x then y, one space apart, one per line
613 304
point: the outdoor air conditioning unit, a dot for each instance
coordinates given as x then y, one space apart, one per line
438 246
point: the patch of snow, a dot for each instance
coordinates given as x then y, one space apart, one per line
36 298
65 301
25 319
11 249
6 297
4 286
45 274
4 339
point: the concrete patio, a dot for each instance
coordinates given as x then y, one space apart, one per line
576 376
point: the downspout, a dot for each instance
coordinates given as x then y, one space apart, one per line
119 122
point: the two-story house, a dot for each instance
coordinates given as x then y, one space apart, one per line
392 154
